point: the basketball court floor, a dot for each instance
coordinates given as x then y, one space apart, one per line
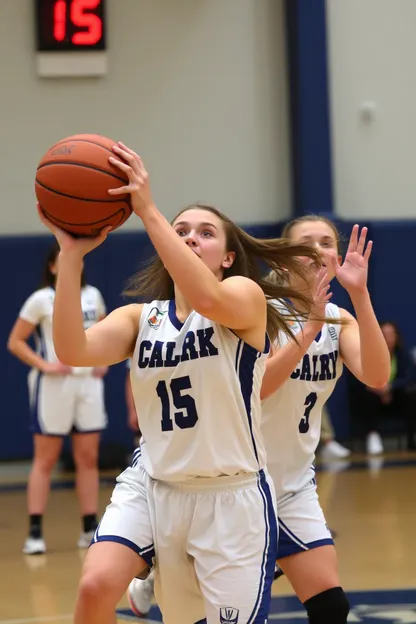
370 507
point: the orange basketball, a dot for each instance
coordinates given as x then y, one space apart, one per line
72 183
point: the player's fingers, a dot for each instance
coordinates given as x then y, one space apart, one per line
122 190
352 246
361 240
123 166
53 228
129 156
128 150
368 250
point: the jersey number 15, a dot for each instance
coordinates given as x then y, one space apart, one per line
186 417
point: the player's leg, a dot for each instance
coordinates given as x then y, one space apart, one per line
85 448
122 549
47 450
51 410
307 557
233 540
108 569
90 419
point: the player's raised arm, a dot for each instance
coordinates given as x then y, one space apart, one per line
209 286
236 302
109 341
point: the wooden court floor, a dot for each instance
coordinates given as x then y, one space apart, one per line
372 509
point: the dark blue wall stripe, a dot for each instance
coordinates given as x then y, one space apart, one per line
309 106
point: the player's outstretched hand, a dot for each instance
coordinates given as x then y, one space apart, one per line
138 187
321 294
67 242
353 273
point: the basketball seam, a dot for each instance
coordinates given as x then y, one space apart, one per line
87 199
80 164
120 210
107 149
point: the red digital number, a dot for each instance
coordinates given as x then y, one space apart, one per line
59 20
80 18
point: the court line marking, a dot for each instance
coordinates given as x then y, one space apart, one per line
46 618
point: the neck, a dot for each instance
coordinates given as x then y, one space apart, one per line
183 308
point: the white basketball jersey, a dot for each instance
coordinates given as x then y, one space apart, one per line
38 309
291 418
196 388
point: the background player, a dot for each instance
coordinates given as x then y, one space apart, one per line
296 388
63 400
198 362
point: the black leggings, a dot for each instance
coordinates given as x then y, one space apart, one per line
369 411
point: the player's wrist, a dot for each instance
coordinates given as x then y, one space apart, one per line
73 257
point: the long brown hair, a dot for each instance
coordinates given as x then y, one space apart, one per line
254 258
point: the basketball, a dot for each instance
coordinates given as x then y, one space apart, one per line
72 183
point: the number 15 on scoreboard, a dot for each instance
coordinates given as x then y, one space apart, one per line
70 25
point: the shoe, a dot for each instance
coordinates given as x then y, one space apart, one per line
85 539
374 443
140 594
34 546
334 450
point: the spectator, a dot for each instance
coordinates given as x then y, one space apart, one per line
396 399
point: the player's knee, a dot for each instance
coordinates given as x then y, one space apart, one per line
96 585
45 465
328 607
86 459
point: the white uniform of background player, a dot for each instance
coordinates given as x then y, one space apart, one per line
291 425
60 405
199 472
63 400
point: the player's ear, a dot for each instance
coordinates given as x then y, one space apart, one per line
228 260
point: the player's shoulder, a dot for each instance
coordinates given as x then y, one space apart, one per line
333 311
91 291
43 295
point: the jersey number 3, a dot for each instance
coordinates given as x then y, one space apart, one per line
309 405
187 417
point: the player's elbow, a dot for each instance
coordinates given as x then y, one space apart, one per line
69 356
376 378
207 305
377 382
11 345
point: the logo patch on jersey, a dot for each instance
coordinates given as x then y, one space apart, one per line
333 333
155 318
229 615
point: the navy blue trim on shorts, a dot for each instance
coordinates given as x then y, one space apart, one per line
290 544
147 553
78 431
262 604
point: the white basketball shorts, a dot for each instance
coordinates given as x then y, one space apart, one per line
127 519
69 404
302 524
216 547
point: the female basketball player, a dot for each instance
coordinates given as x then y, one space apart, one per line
299 379
198 355
63 400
